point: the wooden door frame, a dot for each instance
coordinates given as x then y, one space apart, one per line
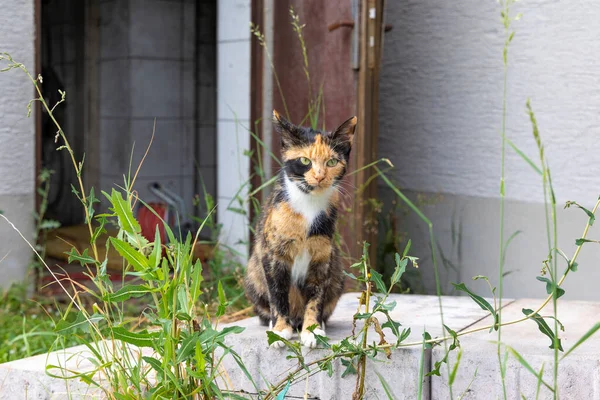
37 48
367 132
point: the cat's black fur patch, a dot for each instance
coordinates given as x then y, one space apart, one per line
295 169
280 196
324 224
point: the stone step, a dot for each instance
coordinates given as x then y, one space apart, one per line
579 374
416 312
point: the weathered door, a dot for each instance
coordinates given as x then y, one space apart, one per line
343 41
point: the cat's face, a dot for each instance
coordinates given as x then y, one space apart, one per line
315 160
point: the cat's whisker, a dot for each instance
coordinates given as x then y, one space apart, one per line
347 186
344 193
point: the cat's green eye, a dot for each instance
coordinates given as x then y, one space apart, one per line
332 163
304 160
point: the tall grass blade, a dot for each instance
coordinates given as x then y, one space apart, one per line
528 367
539 382
386 387
281 395
524 157
464 393
452 376
582 339
421 368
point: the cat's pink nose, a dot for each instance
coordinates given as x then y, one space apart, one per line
319 179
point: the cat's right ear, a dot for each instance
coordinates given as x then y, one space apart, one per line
288 131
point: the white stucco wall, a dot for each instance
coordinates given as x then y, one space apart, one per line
440 120
441 96
17 139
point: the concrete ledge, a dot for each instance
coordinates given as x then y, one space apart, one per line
579 373
27 378
30 378
401 371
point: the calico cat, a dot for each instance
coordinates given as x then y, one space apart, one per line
294 276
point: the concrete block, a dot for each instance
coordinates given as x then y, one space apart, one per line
148 41
188 89
167 145
155 88
207 64
578 374
187 193
115 99
207 105
114 29
207 145
207 22
189 30
115 146
187 160
63 46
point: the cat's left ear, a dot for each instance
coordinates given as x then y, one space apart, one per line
345 132
289 132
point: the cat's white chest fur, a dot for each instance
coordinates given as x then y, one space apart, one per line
300 267
309 206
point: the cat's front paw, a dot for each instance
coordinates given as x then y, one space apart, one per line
308 338
286 333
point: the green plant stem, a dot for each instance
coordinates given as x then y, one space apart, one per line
374 163
71 154
502 195
555 274
433 253
363 359
421 368
552 236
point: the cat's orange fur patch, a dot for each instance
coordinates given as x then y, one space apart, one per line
296 303
319 247
310 315
281 325
319 151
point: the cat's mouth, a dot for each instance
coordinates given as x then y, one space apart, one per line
305 187
308 188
